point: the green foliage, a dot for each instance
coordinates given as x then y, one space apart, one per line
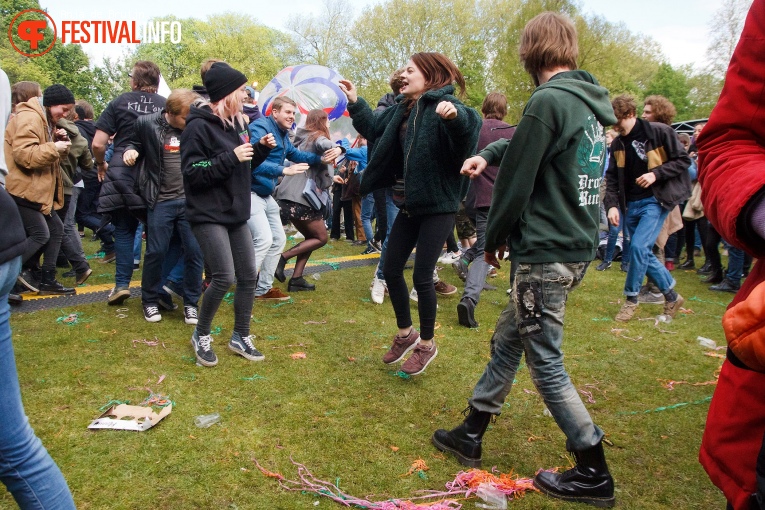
256 50
673 84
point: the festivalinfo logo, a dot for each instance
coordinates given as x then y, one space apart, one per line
33 32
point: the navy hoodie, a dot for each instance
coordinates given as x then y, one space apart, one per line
216 183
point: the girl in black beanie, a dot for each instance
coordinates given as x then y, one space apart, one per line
216 159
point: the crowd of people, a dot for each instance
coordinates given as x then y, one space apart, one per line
213 183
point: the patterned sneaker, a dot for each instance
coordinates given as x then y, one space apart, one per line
378 290
672 307
401 346
420 359
202 350
627 311
244 347
151 313
445 289
190 315
461 267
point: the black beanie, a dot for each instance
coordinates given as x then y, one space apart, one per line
57 94
221 80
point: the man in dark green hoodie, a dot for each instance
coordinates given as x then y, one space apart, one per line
546 203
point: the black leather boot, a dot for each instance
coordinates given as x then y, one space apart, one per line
298 284
49 285
464 441
587 482
716 276
726 285
279 273
705 269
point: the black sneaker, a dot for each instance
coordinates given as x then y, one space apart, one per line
603 266
174 289
466 313
118 295
28 281
190 315
299 284
151 313
244 347
202 350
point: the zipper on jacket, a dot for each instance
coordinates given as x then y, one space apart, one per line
414 132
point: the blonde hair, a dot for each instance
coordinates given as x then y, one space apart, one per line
229 109
548 41
179 101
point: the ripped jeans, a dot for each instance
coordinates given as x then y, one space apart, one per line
532 324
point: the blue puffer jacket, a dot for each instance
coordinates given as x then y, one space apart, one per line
265 175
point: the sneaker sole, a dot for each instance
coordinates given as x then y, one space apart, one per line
261 298
82 279
465 461
463 316
118 297
403 354
245 355
171 292
424 366
191 322
202 361
27 285
155 318
596 502
379 301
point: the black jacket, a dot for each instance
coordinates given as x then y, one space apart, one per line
148 134
216 183
436 149
13 237
667 159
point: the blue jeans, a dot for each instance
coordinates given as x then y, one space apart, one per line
26 468
125 225
166 217
391 212
268 238
735 265
476 275
532 324
613 234
367 211
644 221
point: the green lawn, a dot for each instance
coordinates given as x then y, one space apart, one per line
347 416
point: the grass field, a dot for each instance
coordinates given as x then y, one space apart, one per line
348 417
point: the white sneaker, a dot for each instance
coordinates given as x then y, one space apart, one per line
378 291
413 295
298 235
450 257
151 313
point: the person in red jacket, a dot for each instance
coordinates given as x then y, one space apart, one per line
732 176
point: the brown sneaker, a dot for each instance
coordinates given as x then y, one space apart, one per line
108 257
672 307
444 289
401 345
273 294
627 311
420 359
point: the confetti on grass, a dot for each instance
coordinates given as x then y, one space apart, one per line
71 319
667 408
464 485
297 355
255 377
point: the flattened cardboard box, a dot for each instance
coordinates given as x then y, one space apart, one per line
127 417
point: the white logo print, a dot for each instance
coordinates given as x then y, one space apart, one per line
639 149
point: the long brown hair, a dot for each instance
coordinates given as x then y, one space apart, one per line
316 124
438 71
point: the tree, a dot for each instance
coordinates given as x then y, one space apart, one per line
386 35
724 32
673 84
254 49
323 39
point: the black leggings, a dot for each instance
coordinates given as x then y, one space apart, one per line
44 233
427 233
690 235
315 233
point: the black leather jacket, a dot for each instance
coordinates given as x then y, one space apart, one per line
147 138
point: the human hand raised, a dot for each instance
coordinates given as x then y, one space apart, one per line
446 110
349 89
244 152
268 140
